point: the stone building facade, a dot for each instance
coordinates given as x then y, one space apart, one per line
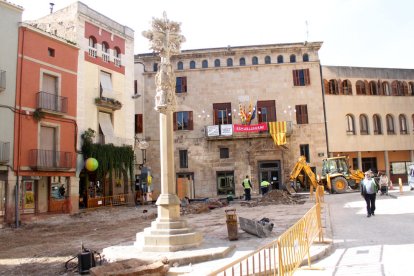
370 117
283 82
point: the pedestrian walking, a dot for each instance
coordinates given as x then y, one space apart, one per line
369 189
247 185
264 186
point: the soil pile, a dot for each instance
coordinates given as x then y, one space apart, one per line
201 207
275 197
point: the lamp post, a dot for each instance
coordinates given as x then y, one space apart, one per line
143 146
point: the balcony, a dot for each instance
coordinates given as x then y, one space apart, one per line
4 152
108 103
117 62
2 80
106 57
116 141
93 52
52 103
216 132
50 160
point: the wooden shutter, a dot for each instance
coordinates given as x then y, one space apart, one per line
49 84
405 86
138 123
175 121
190 120
326 86
295 77
307 77
184 84
301 114
305 114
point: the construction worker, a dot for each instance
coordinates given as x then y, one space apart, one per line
264 186
247 185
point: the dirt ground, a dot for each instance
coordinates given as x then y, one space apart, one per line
41 246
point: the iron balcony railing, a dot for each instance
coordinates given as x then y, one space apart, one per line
4 152
50 159
52 102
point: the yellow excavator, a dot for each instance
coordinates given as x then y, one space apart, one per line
336 175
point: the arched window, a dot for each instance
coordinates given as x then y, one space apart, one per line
292 58
397 88
242 61
279 59
403 124
255 61
305 57
155 67
217 63
347 87
192 64
350 124
180 65
92 42
390 124
204 64
411 88
333 87
386 88
105 47
405 88
268 60
373 87
363 124
117 52
229 62
360 88
377 124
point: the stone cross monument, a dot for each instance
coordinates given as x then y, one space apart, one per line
168 232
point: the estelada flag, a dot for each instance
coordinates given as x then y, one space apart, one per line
278 132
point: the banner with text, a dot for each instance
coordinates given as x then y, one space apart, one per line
250 128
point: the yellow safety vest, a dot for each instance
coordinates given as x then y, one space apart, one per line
246 184
264 183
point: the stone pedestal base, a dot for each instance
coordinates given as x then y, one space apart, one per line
168 233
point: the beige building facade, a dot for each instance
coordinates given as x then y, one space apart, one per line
278 83
370 117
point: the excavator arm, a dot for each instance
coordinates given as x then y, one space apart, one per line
301 165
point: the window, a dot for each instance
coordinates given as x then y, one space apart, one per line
279 59
386 88
224 153
138 123
106 85
49 96
229 62
106 129
181 85
183 158
405 88
222 113
225 183
180 65
47 155
350 124
403 124
333 87
390 124
363 124
411 88
301 77
117 52
305 57
360 88
397 88
217 63
51 52
304 150
192 64
268 60
135 87
255 61
292 58
242 61
377 124
92 42
204 64
105 52
373 87
301 114
155 67
346 87
266 111
183 120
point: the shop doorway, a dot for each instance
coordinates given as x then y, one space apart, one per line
270 170
225 183
185 185
2 197
369 163
28 197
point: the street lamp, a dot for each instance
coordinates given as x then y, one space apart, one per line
143 146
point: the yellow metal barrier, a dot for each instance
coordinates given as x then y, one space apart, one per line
284 255
319 194
116 200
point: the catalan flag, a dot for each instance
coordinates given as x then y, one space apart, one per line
278 132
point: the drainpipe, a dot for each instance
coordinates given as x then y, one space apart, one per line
324 110
19 134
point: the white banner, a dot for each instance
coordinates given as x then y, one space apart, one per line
226 130
213 131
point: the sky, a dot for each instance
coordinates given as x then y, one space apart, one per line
364 33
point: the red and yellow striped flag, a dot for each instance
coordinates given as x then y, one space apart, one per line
278 132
